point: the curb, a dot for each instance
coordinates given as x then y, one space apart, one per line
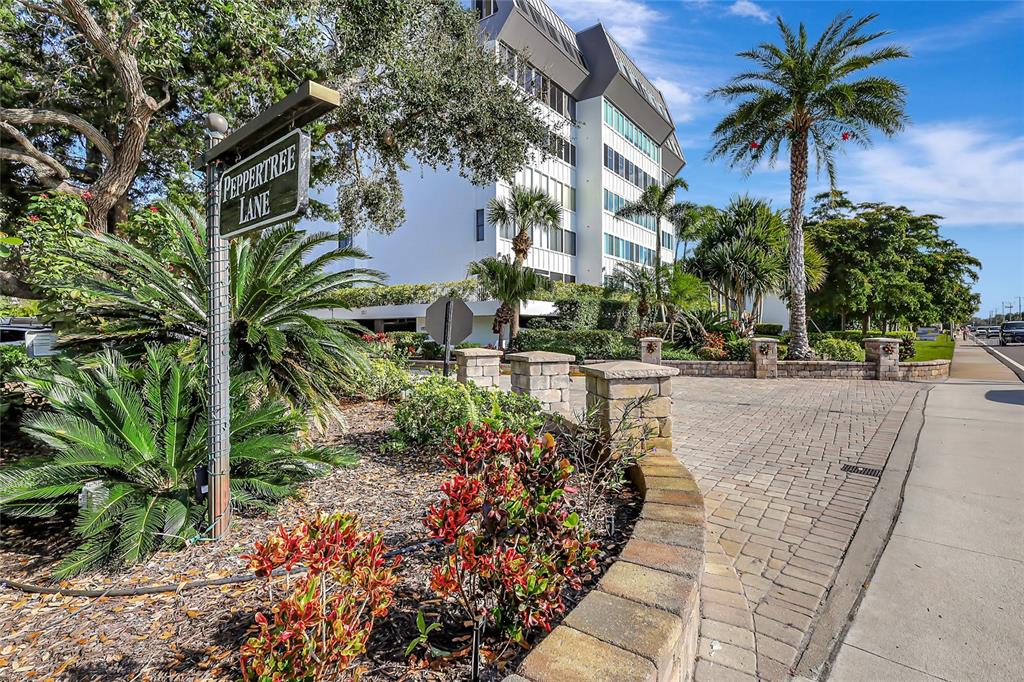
865 550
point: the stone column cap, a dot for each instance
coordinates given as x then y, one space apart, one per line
759 339
628 369
478 352
884 339
652 338
540 356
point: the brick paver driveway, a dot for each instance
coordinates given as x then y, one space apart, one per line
781 511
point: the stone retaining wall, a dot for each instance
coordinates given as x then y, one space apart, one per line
742 369
826 369
641 622
924 371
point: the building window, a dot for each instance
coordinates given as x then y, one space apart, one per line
627 250
485 8
613 203
625 168
631 131
344 241
480 223
531 80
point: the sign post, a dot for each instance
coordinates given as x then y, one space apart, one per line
447 338
267 184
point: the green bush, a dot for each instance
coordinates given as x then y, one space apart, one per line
577 313
403 294
437 404
583 344
131 437
616 315
16 356
412 340
737 349
907 350
768 329
381 379
839 349
678 354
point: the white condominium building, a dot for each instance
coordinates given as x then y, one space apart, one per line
614 137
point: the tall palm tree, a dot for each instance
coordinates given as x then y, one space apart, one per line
524 210
511 283
802 95
637 280
690 220
658 202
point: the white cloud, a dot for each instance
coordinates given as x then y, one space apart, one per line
749 8
963 33
682 102
968 173
629 21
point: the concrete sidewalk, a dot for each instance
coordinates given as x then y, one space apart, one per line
947 599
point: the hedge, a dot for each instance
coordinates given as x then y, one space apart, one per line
402 294
577 313
768 329
589 344
620 316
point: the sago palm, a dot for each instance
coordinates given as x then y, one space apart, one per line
800 96
524 210
128 438
657 202
281 282
511 284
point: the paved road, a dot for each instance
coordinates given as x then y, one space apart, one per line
768 456
947 599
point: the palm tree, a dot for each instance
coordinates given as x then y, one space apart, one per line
690 222
799 96
524 210
128 438
280 280
658 202
638 281
744 250
511 283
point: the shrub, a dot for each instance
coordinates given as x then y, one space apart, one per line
838 349
678 354
737 349
322 626
693 325
382 345
583 344
437 404
515 546
764 329
402 294
130 437
12 357
577 313
907 349
412 340
381 379
713 348
619 316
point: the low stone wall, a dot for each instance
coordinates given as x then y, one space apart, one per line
641 623
743 369
924 371
826 369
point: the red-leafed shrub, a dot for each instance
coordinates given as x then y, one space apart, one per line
713 348
321 627
514 545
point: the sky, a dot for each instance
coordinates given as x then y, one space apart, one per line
961 157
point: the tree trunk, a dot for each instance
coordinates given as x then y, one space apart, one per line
842 320
865 323
521 244
657 267
514 327
120 175
799 347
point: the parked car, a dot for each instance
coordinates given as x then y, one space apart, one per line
1011 332
993 332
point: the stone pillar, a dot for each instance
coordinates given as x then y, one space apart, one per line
885 353
479 365
612 385
650 350
765 354
545 376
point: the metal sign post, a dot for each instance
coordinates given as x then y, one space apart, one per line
263 188
218 441
447 337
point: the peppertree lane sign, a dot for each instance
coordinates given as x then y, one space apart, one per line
268 187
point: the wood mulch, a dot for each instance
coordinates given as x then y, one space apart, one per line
196 634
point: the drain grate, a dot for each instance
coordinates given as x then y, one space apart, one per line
863 471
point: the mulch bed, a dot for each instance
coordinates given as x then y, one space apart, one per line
196 634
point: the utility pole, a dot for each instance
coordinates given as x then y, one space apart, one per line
218 429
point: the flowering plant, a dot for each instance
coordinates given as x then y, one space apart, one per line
322 625
382 345
515 546
713 348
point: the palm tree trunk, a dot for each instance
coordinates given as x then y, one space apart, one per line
521 244
799 347
657 268
514 327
